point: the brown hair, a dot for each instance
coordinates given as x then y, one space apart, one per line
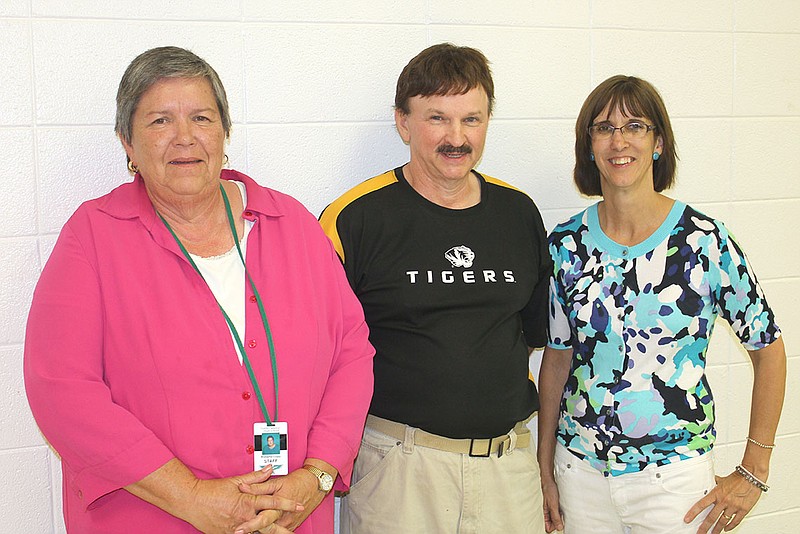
634 97
444 69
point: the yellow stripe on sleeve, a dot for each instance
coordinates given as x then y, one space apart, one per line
331 213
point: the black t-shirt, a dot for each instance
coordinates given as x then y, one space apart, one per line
453 298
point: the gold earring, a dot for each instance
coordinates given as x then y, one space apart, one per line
133 168
224 160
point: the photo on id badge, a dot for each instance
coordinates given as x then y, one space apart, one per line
270 447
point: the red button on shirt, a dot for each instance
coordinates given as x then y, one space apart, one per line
252 344
249 449
252 298
246 395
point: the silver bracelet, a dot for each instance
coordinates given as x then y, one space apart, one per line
762 445
751 478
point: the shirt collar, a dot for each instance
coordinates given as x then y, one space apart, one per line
130 200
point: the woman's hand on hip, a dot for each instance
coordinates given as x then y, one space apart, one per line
731 500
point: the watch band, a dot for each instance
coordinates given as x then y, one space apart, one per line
324 479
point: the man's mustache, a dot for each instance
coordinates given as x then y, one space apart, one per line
450 149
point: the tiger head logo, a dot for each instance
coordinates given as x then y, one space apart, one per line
460 256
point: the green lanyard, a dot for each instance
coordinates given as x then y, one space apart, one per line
228 319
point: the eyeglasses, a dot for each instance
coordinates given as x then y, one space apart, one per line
632 130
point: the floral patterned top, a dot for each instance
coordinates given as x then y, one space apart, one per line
638 320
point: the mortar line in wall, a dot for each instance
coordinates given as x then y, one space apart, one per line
592 49
751 200
428 17
25 237
685 31
379 122
245 101
55 496
738 200
774 513
736 117
782 279
731 156
571 117
36 200
428 23
337 23
502 118
43 445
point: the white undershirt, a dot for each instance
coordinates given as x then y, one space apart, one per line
225 277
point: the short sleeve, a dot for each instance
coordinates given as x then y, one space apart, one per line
559 332
739 297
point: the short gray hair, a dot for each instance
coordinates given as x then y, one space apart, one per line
156 64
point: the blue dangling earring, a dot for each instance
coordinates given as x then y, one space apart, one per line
591 156
656 155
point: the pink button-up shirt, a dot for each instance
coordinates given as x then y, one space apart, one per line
129 361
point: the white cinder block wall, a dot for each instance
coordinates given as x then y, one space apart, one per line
311 86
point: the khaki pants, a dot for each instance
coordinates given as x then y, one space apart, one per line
402 488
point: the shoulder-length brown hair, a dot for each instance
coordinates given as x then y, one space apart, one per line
634 97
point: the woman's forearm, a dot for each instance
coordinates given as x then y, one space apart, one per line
769 386
552 377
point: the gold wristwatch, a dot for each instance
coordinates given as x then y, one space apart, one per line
324 479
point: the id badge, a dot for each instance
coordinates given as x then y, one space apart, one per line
270 444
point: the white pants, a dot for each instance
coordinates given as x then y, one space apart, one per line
652 501
401 488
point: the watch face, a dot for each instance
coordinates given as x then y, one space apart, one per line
325 482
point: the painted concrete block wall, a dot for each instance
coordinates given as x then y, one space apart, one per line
311 85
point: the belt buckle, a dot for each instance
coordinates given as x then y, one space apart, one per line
502 448
472 445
